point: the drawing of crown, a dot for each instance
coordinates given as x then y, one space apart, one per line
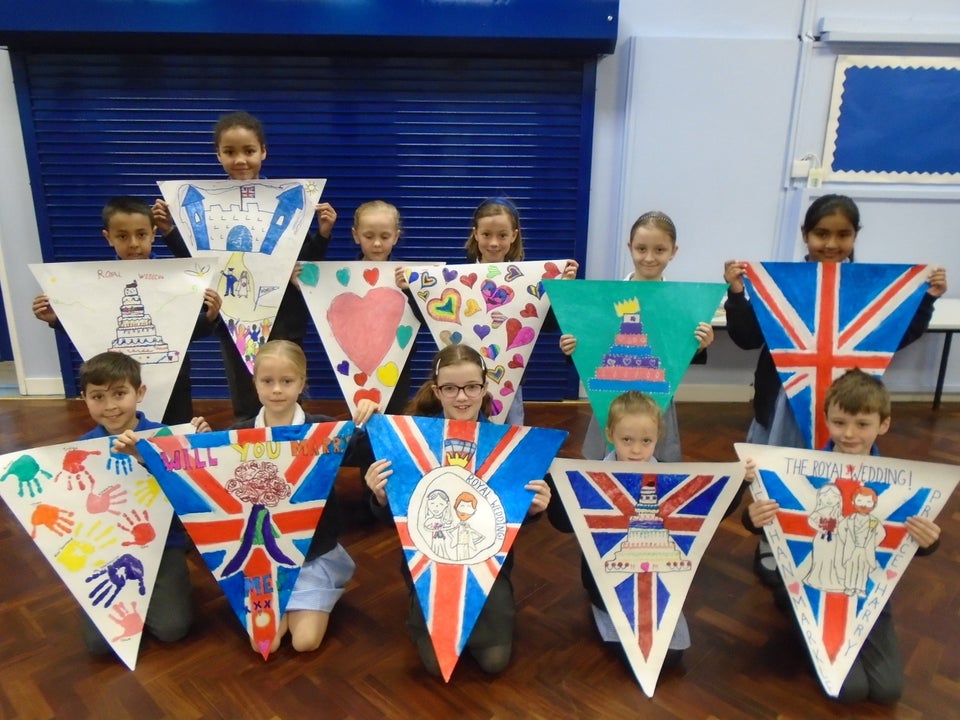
627 307
459 459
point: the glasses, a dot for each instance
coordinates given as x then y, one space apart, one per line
471 390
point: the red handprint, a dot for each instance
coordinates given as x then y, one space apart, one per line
104 501
130 621
73 468
138 526
57 519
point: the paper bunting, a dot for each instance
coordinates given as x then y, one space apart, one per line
365 322
251 500
821 319
643 529
632 335
137 307
495 308
458 500
258 226
840 541
101 522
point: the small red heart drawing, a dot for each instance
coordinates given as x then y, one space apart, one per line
360 379
891 574
507 388
794 588
529 310
516 361
371 275
367 394
550 271
469 280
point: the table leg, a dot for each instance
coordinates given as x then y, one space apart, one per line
944 356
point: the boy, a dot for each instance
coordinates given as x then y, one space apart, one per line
111 387
857 407
128 228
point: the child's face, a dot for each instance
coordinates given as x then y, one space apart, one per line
460 407
240 153
114 406
278 384
131 235
495 234
651 250
634 437
831 239
854 434
376 233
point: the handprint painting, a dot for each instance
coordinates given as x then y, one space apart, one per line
101 522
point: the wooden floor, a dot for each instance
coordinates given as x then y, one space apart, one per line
743 662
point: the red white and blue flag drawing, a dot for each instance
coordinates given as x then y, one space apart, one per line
458 500
251 500
840 539
643 529
821 319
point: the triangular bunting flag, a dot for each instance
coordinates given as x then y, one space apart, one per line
458 499
632 335
840 541
495 308
643 529
365 322
101 522
251 500
821 319
136 307
259 227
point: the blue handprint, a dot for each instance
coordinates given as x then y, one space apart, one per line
126 567
27 471
121 464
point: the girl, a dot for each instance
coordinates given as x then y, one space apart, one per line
280 375
457 390
241 145
829 231
652 245
495 237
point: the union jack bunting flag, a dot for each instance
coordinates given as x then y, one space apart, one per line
251 500
821 319
643 528
840 540
458 500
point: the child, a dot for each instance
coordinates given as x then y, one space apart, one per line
111 386
280 375
857 407
241 149
652 245
495 237
128 228
457 390
829 230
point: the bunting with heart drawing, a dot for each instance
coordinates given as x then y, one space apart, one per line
840 539
258 226
365 322
496 308
135 307
458 499
821 319
632 335
251 500
101 522
643 529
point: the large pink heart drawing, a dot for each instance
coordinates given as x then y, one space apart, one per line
365 327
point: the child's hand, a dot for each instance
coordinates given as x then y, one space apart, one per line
42 310
570 270
762 512
297 269
938 281
365 409
925 531
704 334
126 444
568 343
326 217
400 278
213 301
749 470
161 216
200 425
542 497
733 271
376 479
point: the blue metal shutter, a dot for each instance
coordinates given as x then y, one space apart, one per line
433 136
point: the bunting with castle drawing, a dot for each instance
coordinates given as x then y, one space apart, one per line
632 335
258 226
643 528
365 322
458 500
101 522
496 308
136 307
251 500
821 319
840 539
